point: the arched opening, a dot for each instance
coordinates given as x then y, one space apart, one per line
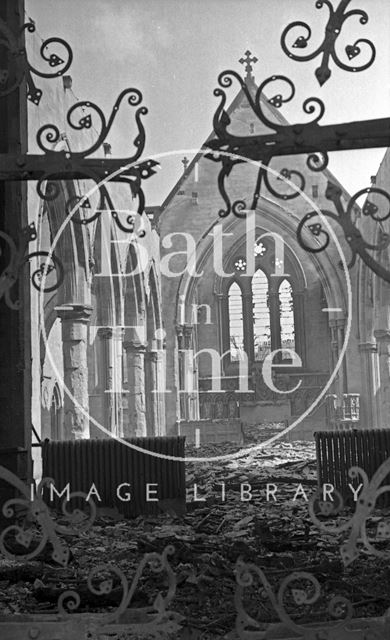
261 316
264 312
236 323
286 315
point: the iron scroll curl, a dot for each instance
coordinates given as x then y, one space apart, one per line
354 237
336 20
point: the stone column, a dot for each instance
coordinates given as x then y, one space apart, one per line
223 337
274 315
74 320
153 408
135 362
111 338
187 375
161 370
180 406
337 336
247 318
333 348
370 374
191 372
340 325
383 341
299 325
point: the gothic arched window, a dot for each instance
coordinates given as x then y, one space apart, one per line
286 313
236 323
260 312
261 316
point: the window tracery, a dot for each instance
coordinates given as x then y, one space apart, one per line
260 313
287 324
240 264
261 316
236 324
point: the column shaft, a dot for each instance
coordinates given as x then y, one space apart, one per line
383 341
274 311
370 410
74 345
299 325
112 378
135 362
154 426
337 336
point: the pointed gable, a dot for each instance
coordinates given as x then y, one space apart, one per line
197 195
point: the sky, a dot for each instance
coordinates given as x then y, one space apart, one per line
174 50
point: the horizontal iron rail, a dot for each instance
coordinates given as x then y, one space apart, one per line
307 138
291 140
58 166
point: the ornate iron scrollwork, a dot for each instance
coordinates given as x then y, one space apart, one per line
358 245
337 17
304 138
371 490
300 588
222 121
55 165
23 540
106 204
259 147
24 535
18 258
70 600
50 133
21 68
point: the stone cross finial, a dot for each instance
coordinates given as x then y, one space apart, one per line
248 62
185 163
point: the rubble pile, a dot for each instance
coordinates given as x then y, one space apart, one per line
252 508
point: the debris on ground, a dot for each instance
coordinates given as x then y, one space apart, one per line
252 508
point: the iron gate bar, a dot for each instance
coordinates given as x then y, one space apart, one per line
299 139
67 165
59 166
289 140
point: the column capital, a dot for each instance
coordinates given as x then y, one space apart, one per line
184 329
179 329
105 332
339 322
74 312
152 355
368 346
382 335
136 347
188 329
111 332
